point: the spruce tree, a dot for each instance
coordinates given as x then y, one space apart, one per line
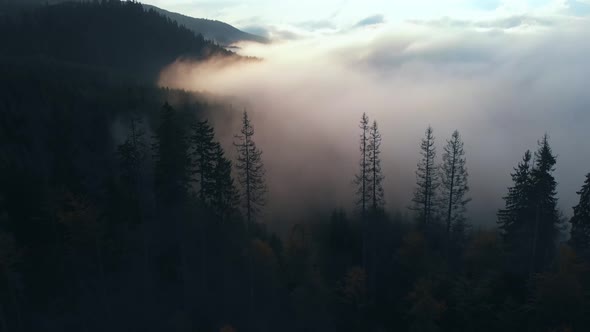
454 184
426 181
363 179
202 161
530 222
251 172
132 153
225 197
547 221
171 157
514 219
375 174
580 232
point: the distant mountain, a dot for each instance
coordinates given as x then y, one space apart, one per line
220 32
217 31
119 37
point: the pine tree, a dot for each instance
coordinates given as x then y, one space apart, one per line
225 197
251 171
547 221
363 178
171 157
202 161
426 181
132 153
454 184
515 219
530 222
580 232
375 174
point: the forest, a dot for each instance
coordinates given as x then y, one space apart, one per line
120 209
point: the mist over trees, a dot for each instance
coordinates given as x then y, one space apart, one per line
121 209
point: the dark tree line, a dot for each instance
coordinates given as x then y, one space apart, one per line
150 232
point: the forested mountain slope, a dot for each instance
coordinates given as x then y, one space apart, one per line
120 37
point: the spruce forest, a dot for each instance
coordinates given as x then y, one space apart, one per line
124 206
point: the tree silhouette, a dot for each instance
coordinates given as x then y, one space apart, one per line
546 219
225 198
454 184
171 157
203 159
426 181
514 220
374 167
363 178
580 232
251 172
132 152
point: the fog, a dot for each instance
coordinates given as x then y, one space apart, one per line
502 87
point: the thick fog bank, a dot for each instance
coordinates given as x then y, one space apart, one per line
501 89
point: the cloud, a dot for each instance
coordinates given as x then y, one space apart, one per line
371 20
502 91
503 23
272 33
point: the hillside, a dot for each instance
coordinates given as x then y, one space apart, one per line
217 31
119 37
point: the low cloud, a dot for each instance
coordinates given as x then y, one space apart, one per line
272 33
502 91
370 20
510 22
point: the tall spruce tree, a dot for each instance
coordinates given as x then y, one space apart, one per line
251 172
426 181
171 157
514 219
547 221
132 153
225 197
580 231
363 179
454 184
376 176
203 159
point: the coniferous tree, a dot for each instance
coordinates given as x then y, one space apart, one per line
363 178
547 221
225 197
203 159
171 157
580 232
514 219
251 171
132 153
375 174
454 184
426 181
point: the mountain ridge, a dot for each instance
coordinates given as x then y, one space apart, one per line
222 33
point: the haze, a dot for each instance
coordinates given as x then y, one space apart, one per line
504 76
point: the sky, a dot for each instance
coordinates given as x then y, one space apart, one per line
503 73
305 17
